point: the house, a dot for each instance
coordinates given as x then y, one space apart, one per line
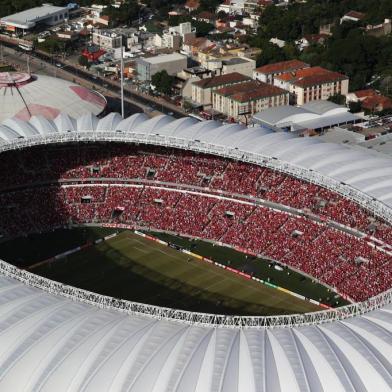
103 20
67 35
202 90
352 16
379 30
268 72
311 39
93 53
370 100
232 7
192 45
278 42
311 84
192 5
376 103
205 16
247 98
187 77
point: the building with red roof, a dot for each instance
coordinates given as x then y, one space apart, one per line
311 84
268 72
202 89
248 97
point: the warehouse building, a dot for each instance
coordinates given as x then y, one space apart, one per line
29 19
172 63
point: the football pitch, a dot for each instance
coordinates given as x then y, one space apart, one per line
131 267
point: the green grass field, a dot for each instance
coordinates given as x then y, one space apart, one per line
131 267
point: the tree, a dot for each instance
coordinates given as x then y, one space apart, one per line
162 82
83 61
355 107
339 99
270 53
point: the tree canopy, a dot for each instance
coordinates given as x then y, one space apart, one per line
162 82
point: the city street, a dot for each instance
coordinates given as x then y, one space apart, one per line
41 63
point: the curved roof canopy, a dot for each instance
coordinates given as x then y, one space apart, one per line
53 338
23 96
51 343
328 159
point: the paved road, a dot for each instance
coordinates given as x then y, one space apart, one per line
134 101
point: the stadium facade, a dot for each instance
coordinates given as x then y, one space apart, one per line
55 337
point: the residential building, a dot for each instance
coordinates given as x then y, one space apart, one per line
311 84
205 16
67 35
107 39
268 72
192 46
192 5
241 65
232 7
172 63
175 36
202 90
247 98
278 42
352 16
370 100
311 39
187 77
103 20
381 29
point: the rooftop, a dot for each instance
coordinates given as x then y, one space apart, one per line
217 81
248 91
235 60
29 17
355 15
283 66
311 76
164 58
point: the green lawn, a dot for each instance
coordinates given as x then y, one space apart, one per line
131 267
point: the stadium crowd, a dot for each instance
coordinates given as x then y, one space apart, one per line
339 259
149 163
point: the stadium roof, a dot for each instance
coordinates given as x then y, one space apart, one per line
22 95
55 337
309 154
53 343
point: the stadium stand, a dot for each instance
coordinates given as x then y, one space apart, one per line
324 252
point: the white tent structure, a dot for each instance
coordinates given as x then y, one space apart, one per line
59 338
23 96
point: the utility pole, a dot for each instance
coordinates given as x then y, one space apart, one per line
122 78
28 63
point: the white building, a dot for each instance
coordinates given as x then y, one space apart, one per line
172 63
29 19
175 36
107 39
312 84
241 65
267 73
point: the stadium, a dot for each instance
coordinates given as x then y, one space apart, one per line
300 204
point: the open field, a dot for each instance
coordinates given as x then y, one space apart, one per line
134 268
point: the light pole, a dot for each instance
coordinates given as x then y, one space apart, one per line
122 77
